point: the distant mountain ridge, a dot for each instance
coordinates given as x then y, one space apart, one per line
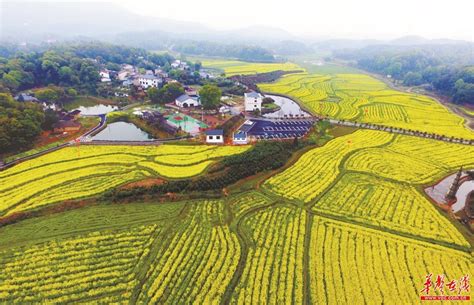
35 22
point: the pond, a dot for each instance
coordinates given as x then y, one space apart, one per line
187 123
97 109
122 131
288 108
439 191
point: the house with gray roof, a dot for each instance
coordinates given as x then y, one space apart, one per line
185 101
215 136
148 80
23 97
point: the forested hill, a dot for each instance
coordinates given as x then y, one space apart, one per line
447 68
74 65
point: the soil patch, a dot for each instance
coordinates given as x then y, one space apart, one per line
144 183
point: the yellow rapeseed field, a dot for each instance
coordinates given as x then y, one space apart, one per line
235 67
84 171
362 98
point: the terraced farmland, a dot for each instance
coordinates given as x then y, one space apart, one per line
235 67
91 267
353 265
359 97
375 178
274 267
346 223
192 252
84 171
318 168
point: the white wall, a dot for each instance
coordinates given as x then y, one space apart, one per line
213 139
251 104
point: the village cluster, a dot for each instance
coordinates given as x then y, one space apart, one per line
185 114
188 108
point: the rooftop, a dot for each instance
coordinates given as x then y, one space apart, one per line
215 132
26 98
247 126
252 94
185 97
240 135
148 76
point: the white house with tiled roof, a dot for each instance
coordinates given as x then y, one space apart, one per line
253 101
148 80
185 101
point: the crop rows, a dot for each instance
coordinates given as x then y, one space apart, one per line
248 201
388 205
197 263
375 178
273 272
350 264
318 168
84 171
234 67
405 159
91 266
334 96
191 254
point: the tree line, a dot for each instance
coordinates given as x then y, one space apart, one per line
20 124
261 157
447 69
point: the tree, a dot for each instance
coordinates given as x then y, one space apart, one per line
20 124
170 92
210 96
322 127
267 100
10 82
50 94
413 79
71 92
197 65
50 118
153 94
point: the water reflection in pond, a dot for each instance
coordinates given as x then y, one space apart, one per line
439 191
288 108
122 131
97 109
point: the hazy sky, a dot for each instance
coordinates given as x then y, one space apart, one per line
340 18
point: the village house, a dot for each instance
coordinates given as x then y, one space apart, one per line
104 76
240 138
147 81
215 136
180 65
253 101
123 75
66 126
185 101
23 97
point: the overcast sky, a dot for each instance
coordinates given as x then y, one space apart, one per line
335 18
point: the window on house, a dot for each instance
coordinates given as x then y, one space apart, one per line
210 137
218 137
